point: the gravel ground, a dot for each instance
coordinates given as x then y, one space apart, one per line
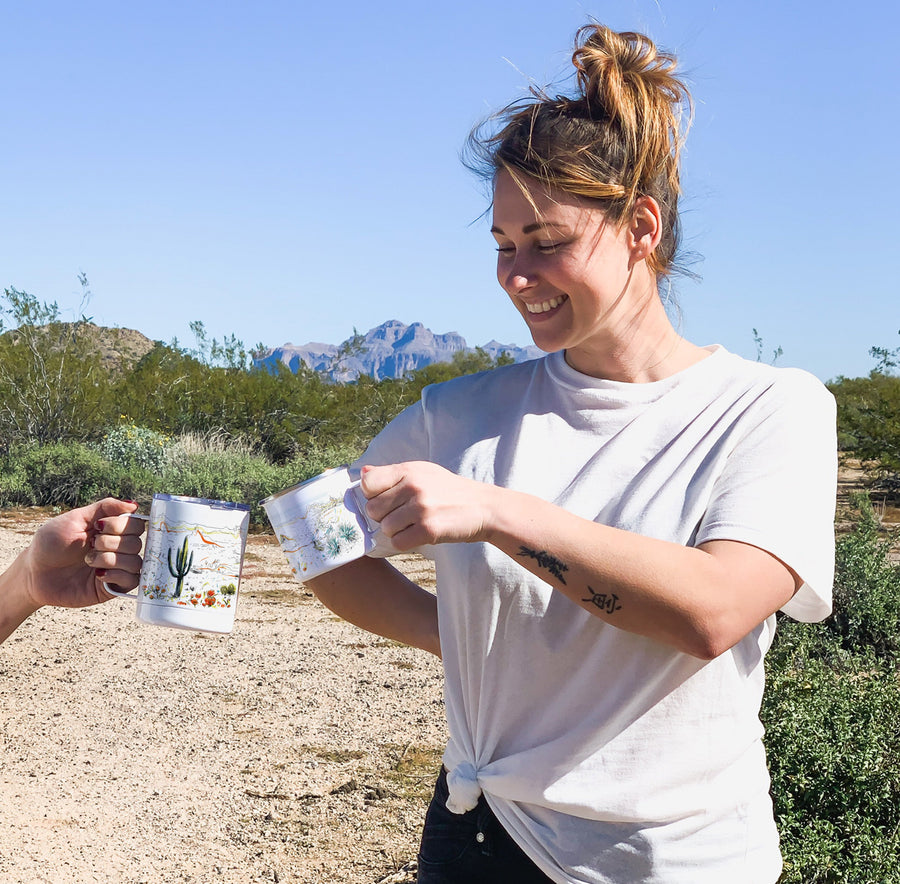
297 749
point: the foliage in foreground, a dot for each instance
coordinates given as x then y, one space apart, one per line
832 729
74 473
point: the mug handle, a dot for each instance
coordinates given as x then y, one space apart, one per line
360 500
118 592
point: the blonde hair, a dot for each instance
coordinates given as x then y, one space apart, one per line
617 139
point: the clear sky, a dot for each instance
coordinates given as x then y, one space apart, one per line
289 171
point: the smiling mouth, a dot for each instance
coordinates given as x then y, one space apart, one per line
546 306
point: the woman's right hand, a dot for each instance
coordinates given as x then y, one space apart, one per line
74 553
419 503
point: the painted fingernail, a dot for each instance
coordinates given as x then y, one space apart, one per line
128 500
100 572
100 524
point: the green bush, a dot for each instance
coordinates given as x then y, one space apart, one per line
218 471
70 474
866 589
833 745
223 469
52 381
316 459
832 729
129 445
63 474
868 412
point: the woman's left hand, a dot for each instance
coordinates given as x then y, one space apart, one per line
420 503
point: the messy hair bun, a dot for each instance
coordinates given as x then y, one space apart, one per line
616 139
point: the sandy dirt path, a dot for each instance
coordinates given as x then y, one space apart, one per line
297 749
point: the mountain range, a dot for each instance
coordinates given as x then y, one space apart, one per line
389 350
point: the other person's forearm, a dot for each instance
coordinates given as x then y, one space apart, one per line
15 603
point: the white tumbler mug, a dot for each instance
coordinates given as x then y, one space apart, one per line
192 563
321 523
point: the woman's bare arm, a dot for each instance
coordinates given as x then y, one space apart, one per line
374 595
699 600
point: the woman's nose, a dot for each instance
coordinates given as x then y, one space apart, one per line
517 277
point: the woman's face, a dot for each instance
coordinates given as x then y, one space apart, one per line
565 268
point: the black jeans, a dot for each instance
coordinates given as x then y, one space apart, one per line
470 848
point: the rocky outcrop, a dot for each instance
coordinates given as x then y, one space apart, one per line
390 350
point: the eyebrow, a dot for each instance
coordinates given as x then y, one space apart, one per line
528 228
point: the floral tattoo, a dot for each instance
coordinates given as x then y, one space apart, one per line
546 561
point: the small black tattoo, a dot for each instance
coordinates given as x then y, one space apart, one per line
545 560
608 603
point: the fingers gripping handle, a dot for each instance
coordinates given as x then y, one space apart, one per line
118 592
359 500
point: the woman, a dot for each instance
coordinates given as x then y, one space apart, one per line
614 525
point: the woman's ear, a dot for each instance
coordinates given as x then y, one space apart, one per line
645 229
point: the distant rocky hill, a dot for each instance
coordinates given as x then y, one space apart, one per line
119 348
389 350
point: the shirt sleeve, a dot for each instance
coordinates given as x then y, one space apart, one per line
777 491
403 439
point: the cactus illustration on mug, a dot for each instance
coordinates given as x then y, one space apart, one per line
183 562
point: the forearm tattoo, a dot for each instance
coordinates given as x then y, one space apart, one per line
608 602
546 561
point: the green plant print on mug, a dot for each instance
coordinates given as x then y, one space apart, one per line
182 568
332 540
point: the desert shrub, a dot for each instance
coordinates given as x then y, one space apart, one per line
316 459
283 413
866 589
833 743
227 469
64 474
832 730
222 475
869 419
213 466
50 373
129 445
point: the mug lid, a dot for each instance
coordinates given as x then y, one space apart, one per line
302 484
204 501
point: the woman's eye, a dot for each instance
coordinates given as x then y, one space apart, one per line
506 250
547 248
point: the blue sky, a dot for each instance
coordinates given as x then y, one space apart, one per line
289 174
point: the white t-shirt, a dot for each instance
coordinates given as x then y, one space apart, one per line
610 757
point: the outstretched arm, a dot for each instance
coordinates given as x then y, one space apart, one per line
699 600
67 560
